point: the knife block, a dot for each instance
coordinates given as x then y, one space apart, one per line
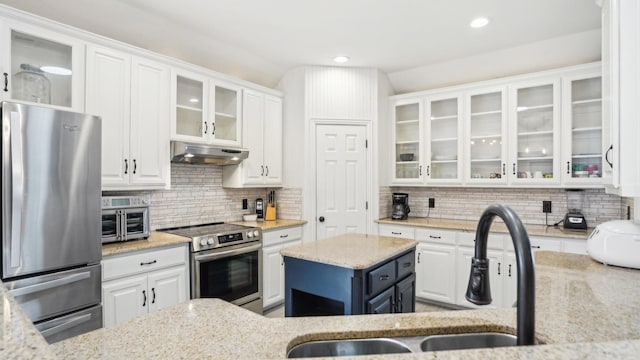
270 215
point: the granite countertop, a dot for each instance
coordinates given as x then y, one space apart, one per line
583 310
156 239
271 225
353 251
497 226
19 339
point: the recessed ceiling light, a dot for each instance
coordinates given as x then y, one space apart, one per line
194 100
57 70
341 59
479 22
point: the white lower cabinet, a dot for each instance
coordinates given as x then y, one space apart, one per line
136 284
436 265
273 266
405 232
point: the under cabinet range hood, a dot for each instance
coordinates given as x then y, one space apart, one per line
182 152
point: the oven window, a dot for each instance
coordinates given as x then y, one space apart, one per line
135 222
230 278
109 225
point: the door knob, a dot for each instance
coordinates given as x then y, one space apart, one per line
321 218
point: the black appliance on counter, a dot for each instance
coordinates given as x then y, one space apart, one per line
400 205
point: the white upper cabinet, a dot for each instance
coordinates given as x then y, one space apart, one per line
205 110
408 147
486 142
262 136
582 145
42 66
534 120
131 95
621 91
444 134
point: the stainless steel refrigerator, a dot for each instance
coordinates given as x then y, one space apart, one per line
51 217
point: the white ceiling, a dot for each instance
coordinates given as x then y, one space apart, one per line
259 40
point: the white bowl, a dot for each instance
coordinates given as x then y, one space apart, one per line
250 217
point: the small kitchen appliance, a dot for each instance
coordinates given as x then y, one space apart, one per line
226 263
616 242
574 219
400 204
125 218
260 209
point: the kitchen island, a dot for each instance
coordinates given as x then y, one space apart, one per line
350 274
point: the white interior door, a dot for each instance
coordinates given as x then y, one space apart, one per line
341 188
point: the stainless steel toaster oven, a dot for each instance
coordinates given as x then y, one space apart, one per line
125 218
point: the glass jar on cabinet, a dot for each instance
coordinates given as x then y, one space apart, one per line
42 70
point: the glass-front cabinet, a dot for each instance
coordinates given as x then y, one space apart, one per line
486 136
444 125
43 67
205 111
534 141
408 129
582 140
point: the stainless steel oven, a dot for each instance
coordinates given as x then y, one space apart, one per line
125 218
226 263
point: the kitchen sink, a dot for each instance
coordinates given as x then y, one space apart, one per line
348 348
397 345
467 341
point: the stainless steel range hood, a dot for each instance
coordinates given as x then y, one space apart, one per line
182 152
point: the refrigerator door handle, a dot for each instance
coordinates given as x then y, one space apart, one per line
17 183
66 325
50 284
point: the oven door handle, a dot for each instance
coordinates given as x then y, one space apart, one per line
218 255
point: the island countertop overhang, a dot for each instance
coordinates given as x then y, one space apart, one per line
353 251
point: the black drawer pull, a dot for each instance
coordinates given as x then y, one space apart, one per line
144 302
406 265
535 246
148 263
284 236
396 233
384 277
435 237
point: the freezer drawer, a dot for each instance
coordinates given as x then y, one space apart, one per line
67 326
46 296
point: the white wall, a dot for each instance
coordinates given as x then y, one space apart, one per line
543 55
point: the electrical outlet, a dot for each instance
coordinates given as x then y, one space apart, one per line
546 206
432 203
245 204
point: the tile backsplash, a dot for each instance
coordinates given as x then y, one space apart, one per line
197 196
468 203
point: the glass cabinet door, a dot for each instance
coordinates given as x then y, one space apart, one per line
585 114
487 138
408 129
189 122
44 67
444 116
535 124
226 108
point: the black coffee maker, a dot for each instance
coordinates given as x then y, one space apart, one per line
400 205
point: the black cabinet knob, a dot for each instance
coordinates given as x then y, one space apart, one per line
321 218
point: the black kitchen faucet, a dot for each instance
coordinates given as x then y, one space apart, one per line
479 291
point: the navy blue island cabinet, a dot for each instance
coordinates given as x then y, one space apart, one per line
350 274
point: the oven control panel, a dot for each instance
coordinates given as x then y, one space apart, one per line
206 242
